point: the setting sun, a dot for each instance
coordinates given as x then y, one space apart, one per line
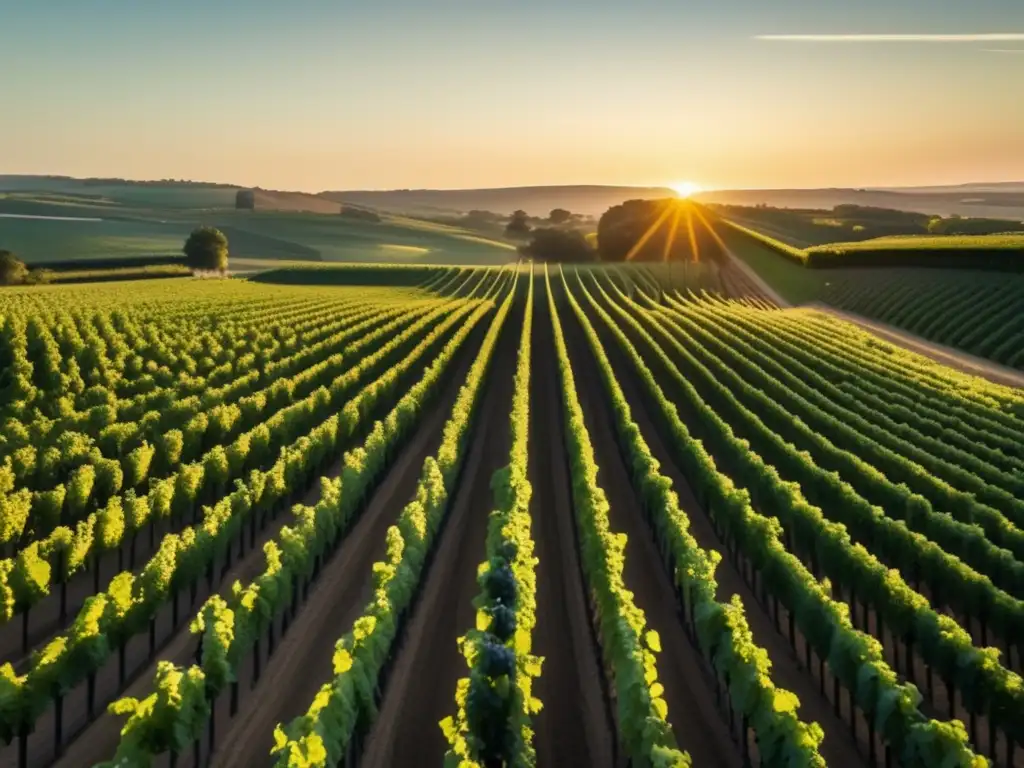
685 188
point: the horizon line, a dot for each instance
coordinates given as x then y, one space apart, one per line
493 186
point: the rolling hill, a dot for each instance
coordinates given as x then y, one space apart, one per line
536 201
46 219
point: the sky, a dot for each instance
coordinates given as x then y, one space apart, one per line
338 94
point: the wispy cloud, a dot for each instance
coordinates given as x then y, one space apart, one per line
995 37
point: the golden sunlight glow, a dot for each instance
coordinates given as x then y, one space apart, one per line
648 234
686 188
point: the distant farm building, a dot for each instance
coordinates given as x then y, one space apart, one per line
245 200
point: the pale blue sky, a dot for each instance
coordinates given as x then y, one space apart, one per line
319 94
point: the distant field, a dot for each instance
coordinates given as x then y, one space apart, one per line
1002 251
99 222
784 273
988 200
139 195
332 238
536 201
790 234
36 240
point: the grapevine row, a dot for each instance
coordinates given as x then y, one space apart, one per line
26 578
494 705
777 405
629 652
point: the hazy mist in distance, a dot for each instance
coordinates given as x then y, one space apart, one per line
332 94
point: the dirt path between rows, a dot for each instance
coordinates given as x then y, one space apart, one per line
304 660
576 726
838 748
421 689
948 356
689 688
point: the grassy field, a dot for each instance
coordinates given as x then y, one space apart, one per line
997 251
784 273
381 516
131 221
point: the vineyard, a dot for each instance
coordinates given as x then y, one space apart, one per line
517 516
982 314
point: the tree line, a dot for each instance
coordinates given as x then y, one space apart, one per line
636 230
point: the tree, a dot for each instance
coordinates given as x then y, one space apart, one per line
39 276
207 248
559 245
518 225
12 269
651 230
559 216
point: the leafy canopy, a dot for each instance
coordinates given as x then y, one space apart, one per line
207 248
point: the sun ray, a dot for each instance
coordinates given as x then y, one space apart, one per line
647 235
694 248
718 240
671 239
